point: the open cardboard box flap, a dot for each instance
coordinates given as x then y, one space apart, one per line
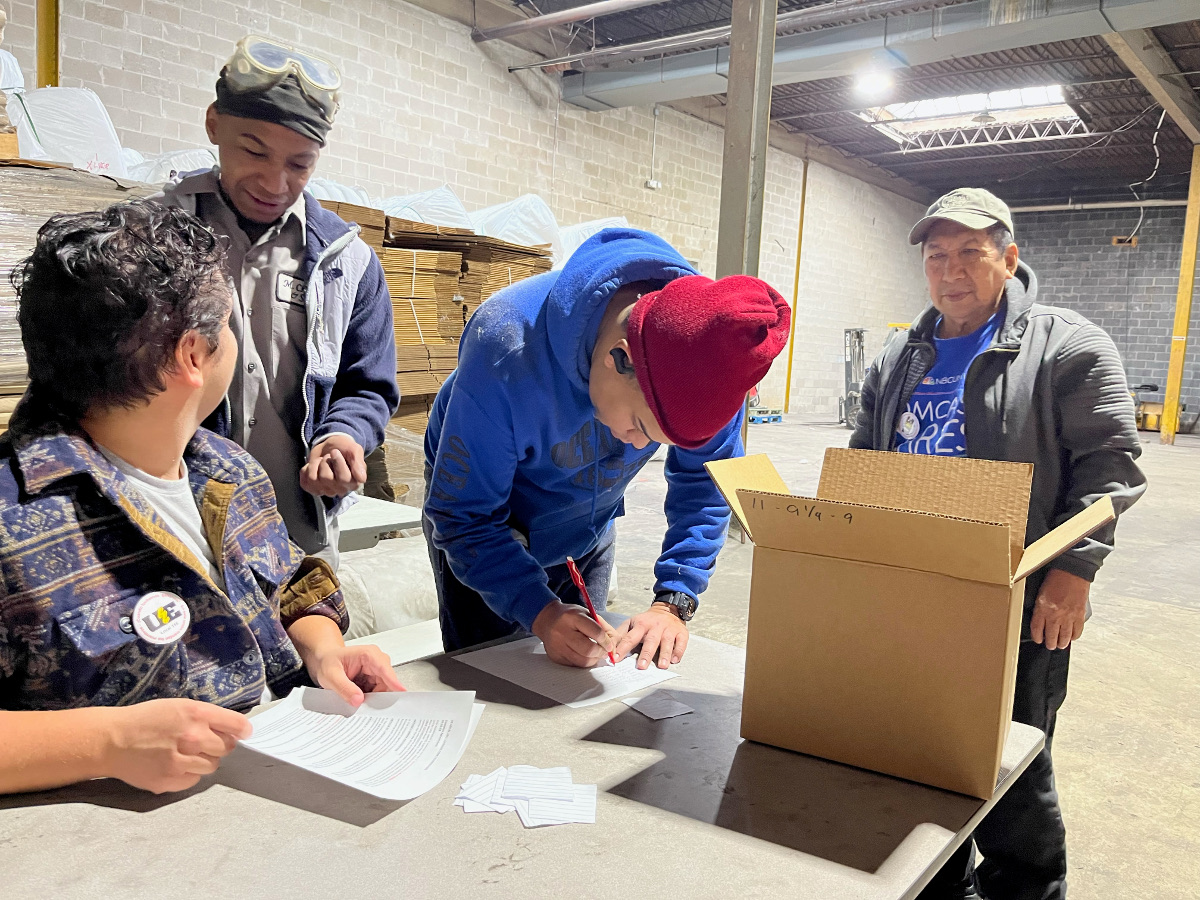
960 536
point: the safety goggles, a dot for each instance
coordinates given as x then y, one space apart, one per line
258 64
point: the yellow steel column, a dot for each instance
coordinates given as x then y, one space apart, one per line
47 43
787 387
1183 303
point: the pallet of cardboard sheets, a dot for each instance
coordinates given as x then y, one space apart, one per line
488 264
437 277
885 613
372 223
30 193
421 283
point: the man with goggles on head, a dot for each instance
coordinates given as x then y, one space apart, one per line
315 383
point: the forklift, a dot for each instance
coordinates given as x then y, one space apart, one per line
856 369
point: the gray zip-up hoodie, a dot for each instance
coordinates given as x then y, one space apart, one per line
1049 390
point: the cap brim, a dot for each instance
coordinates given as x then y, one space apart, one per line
965 217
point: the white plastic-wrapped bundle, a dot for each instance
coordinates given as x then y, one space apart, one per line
67 125
526 220
27 142
11 77
440 206
328 189
574 235
161 169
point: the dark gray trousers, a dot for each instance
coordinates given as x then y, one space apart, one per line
467 620
1023 840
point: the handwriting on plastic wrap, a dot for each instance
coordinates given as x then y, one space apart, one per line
813 511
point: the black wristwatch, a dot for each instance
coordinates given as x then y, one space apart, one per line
685 604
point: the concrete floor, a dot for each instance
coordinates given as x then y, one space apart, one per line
1128 743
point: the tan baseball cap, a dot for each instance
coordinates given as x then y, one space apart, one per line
972 207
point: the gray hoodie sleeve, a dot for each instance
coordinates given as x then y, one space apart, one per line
1099 440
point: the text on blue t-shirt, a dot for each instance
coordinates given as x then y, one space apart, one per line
933 423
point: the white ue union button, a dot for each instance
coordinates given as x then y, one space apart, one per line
161 617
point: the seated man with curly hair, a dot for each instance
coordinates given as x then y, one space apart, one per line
148 589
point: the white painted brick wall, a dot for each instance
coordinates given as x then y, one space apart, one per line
425 105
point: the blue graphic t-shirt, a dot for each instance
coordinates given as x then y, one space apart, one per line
933 422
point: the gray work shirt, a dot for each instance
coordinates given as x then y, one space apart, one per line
270 321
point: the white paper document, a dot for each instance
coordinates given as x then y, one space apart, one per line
396 745
658 705
525 663
539 796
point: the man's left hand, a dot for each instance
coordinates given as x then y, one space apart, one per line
1060 610
335 467
658 629
351 671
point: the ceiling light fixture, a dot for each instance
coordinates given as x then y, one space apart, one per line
984 118
874 83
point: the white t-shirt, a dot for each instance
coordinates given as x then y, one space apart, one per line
174 503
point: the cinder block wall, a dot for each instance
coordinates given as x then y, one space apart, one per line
425 105
1128 291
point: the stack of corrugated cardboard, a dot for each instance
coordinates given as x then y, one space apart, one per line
30 193
371 222
488 264
437 277
422 283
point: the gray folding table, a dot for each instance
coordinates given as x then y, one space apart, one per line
686 809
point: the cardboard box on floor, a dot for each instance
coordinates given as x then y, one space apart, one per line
885 613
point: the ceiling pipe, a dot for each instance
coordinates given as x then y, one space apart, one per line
564 17
836 13
1116 204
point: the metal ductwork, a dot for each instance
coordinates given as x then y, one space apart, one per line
565 17
811 17
893 41
1118 204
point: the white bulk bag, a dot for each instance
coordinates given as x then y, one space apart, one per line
574 235
440 206
526 220
69 125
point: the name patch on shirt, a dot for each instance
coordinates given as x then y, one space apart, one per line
291 290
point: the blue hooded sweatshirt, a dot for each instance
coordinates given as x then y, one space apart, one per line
518 456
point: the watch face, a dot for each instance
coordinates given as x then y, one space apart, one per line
686 606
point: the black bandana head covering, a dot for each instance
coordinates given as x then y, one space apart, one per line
284 104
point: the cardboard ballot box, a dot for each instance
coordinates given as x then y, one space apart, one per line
885 613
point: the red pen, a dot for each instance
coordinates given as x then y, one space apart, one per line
578 579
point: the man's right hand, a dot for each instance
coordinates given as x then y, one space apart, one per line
571 636
167 745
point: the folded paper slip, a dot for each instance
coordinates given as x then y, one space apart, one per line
540 797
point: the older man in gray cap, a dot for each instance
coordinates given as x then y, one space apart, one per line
989 372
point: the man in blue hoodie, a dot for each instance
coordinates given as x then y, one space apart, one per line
566 385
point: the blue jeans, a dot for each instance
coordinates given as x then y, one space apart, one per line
466 618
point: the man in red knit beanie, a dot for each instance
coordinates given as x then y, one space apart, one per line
566 385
